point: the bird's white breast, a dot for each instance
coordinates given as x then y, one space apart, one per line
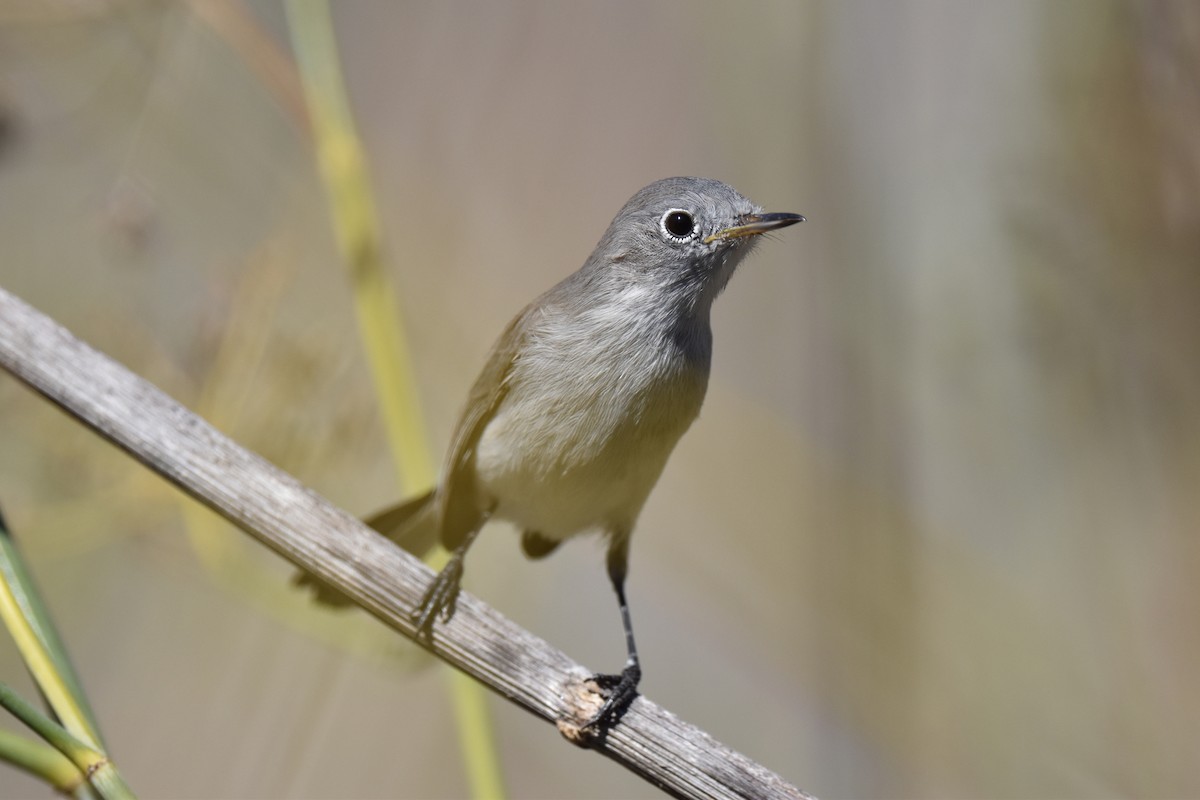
595 404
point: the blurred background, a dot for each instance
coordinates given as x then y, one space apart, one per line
936 531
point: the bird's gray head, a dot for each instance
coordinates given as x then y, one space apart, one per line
681 238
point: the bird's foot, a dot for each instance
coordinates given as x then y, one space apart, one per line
619 691
440 597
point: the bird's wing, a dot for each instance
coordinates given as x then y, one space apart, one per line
462 510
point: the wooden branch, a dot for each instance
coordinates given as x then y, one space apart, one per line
307 530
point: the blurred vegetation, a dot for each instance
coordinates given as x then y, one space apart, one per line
936 531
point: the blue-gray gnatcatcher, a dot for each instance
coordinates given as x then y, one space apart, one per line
585 394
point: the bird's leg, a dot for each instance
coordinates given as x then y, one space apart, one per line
442 594
621 688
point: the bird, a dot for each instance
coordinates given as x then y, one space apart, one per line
570 423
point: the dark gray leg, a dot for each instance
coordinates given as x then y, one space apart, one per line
621 688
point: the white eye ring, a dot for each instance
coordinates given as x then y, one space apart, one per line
678 224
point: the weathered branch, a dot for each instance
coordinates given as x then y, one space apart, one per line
313 534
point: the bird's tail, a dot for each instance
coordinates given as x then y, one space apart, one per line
411 524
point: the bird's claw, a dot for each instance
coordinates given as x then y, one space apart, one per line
621 689
441 596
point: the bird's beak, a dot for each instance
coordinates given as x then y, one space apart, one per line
754 224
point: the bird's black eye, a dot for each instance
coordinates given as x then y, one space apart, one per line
678 223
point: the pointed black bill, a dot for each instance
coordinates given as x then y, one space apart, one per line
754 224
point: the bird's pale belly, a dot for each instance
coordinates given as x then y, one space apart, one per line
579 461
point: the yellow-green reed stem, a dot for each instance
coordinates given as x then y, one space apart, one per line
343 168
41 761
476 736
351 203
101 773
29 618
42 666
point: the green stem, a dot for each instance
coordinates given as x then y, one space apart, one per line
26 618
351 202
40 760
476 736
78 752
100 771
343 167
